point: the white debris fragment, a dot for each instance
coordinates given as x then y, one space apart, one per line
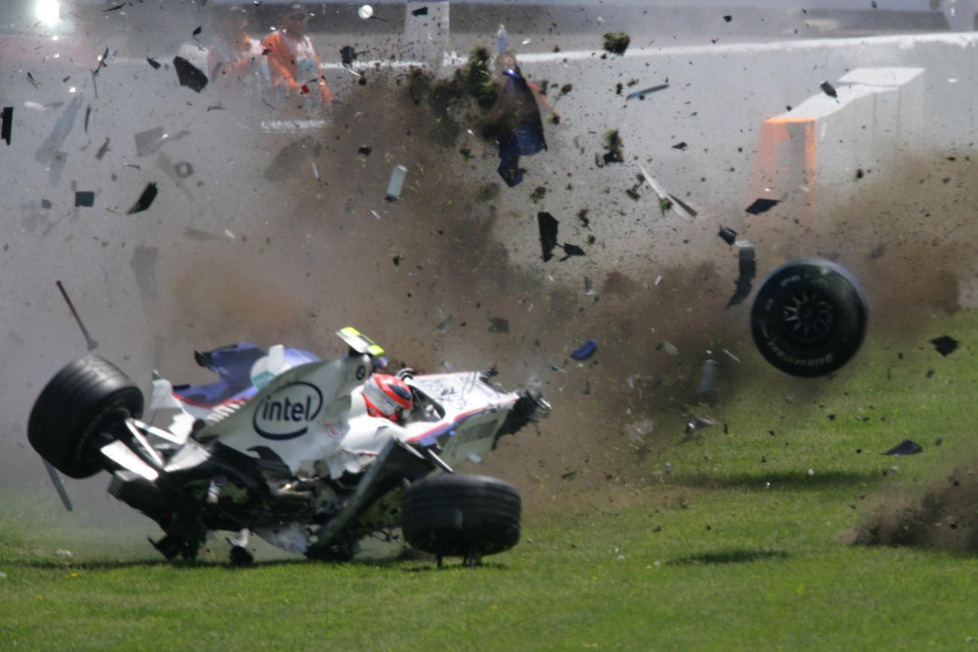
64 554
365 12
658 279
731 355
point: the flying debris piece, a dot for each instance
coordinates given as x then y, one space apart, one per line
762 206
667 201
729 235
681 146
498 325
585 351
147 142
6 123
47 153
58 485
197 234
116 7
145 200
829 90
92 344
84 198
396 184
197 31
102 61
143 264
748 269
548 233
571 250
906 447
423 11
727 18
945 344
183 169
708 378
616 42
348 55
189 75
153 62
102 150
365 150
645 91
691 212
365 12
88 115
694 423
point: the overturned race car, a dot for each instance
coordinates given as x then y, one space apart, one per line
308 454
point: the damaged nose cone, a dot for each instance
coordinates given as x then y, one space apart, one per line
809 317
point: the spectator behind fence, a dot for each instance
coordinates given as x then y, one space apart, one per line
235 61
293 64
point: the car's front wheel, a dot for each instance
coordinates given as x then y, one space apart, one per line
470 516
70 418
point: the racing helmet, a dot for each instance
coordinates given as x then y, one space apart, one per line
386 396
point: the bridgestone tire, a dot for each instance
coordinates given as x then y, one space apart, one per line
452 515
68 423
809 317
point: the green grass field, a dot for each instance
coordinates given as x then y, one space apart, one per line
739 547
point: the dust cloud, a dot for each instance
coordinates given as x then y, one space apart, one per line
288 237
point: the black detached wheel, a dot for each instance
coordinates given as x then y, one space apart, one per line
452 515
809 317
69 419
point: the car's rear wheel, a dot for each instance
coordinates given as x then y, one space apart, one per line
71 417
470 516
809 317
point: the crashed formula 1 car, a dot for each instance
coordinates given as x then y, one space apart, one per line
310 455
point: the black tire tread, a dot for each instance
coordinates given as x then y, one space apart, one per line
74 406
489 510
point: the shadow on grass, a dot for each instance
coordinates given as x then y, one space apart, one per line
409 563
737 556
794 480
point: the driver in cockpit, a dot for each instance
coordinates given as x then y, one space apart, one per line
388 397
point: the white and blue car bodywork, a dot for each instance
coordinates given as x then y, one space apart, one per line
282 446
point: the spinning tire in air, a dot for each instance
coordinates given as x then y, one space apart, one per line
809 317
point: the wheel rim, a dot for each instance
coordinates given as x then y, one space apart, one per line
808 317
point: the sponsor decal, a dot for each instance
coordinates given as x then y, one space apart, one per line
288 411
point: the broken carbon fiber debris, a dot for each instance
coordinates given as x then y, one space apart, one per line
762 206
640 95
548 233
498 325
728 235
747 268
945 344
189 75
829 90
145 199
